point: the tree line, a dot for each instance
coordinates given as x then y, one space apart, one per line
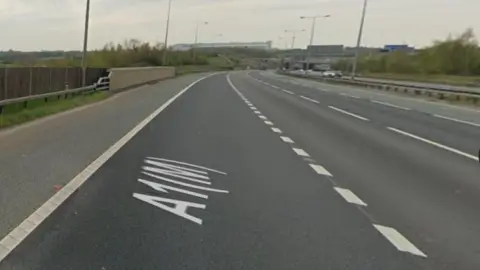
456 55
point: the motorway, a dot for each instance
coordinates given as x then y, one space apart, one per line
446 87
244 170
424 84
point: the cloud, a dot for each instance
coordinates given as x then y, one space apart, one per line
58 24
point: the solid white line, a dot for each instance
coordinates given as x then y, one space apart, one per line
17 235
268 123
276 130
398 240
457 120
348 113
391 105
300 152
262 117
349 196
309 99
458 152
286 91
320 170
286 139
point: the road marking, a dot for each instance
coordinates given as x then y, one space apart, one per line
300 152
286 91
277 130
309 99
268 123
286 139
17 235
391 105
320 170
349 196
257 112
262 117
457 120
253 108
273 86
458 152
350 96
188 164
398 240
349 113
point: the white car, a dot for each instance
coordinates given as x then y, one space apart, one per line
332 74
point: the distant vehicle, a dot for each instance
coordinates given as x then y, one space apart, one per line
332 74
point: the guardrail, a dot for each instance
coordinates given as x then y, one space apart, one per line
103 84
442 94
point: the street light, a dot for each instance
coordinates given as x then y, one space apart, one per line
85 44
164 62
314 19
196 36
359 40
197 30
294 35
312 33
284 42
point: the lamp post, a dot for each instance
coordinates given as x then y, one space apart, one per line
359 40
85 44
197 29
294 35
312 31
164 61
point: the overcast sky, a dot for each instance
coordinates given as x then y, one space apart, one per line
58 24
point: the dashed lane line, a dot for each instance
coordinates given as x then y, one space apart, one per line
286 139
262 117
320 170
390 105
350 96
257 112
300 152
289 92
398 240
349 113
349 196
453 150
276 130
309 99
268 123
457 120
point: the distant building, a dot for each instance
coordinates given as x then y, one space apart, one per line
398 48
250 45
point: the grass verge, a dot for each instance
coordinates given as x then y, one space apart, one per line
439 79
15 114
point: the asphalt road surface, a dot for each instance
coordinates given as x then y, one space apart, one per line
252 170
413 84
